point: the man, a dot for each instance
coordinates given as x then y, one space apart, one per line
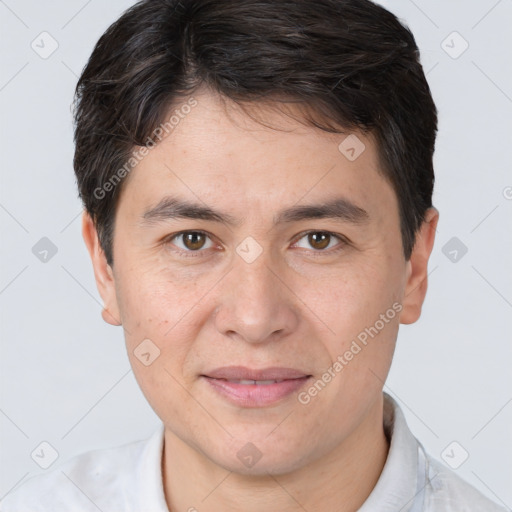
257 181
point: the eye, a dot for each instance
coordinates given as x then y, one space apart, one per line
190 241
321 240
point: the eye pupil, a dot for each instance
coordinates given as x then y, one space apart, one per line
194 240
319 240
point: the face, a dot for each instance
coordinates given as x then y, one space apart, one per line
229 269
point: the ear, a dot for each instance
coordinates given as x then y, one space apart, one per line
102 271
417 269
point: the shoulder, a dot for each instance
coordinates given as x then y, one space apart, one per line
98 479
447 492
434 487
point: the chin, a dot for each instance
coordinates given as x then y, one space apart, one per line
264 467
262 459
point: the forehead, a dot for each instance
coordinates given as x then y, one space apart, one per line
220 153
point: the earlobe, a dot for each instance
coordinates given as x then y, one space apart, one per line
103 273
417 269
109 318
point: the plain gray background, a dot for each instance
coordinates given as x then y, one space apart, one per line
65 376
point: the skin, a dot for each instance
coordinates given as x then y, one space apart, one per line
297 305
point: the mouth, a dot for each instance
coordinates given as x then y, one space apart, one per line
247 387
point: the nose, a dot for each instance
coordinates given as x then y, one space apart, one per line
255 302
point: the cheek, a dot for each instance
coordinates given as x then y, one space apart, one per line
154 299
359 306
158 320
159 333
352 296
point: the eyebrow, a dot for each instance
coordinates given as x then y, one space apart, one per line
171 207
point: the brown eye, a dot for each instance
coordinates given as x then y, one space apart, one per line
319 240
194 240
191 241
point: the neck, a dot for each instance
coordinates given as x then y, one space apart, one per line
340 481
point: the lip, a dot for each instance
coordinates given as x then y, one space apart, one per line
255 395
244 373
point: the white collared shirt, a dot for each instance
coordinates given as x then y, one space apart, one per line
128 478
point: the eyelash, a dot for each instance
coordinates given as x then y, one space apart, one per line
317 252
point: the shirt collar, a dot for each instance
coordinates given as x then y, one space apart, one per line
149 475
397 488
